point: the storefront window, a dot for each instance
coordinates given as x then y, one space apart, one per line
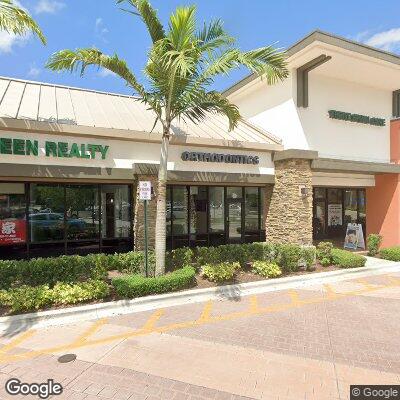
350 206
234 192
362 208
13 229
46 213
217 212
179 210
334 196
116 211
319 193
82 212
262 208
198 214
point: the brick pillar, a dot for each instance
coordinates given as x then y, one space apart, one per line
288 213
138 225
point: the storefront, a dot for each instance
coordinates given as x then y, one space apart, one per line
213 215
49 219
334 208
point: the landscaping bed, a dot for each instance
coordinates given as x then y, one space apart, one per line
52 283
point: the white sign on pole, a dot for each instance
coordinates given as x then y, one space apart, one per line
144 190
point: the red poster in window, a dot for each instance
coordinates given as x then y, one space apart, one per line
12 232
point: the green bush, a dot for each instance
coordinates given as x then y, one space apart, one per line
373 244
133 262
64 293
28 298
346 259
390 253
178 258
308 256
137 285
221 272
266 269
324 253
49 271
289 257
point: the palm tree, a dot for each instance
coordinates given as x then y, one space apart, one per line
182 63
14 19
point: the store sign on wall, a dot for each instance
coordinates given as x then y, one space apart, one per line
219 158
12 232
24 147
362 119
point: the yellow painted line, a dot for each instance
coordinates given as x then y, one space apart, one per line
393 280
151 322
294 297
253 308
331 293
91 331
206 313
15 342
205 318
367 284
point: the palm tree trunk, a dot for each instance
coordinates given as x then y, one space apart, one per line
161 218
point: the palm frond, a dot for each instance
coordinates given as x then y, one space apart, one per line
212 102
213 36
14 19
149 16
80 59
182 25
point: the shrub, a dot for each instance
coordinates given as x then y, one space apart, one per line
178 258
226 253
346 259
27 298
49 271
269 270
221 272
137 285
324 253
390 253
373 243
289 257
64 293
133 262
308 255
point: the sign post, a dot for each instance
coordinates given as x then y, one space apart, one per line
145 195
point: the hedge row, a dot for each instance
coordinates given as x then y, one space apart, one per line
28 298
137 285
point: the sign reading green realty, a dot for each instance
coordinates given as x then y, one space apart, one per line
362 119
24 147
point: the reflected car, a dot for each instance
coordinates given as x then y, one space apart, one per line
51 220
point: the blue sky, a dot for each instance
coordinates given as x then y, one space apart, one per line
99 23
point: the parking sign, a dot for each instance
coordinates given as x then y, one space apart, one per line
144 190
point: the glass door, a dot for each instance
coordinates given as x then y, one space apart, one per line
234 221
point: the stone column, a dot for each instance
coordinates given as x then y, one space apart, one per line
288 212
138 225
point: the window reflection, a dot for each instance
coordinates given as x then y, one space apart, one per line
217 213
179 210
198 212
350 206
46 213
116 211
251 206
82 212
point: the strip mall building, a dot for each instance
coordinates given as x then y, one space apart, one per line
313 153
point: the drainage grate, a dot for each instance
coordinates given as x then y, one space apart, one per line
66 358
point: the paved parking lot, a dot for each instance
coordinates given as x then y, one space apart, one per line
309 343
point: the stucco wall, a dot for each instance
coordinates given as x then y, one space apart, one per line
274 109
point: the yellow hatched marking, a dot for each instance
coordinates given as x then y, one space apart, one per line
91 331
331 293
393 281
294 297
205 318
253 308
206 313
15 342
367 284
151 322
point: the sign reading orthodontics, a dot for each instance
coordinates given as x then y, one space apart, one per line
23 147
219 158
362 119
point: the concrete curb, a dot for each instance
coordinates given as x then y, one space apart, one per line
102 310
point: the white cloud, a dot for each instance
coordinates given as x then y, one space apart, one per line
8 41
386 40
100 29
49 6
34 71
104 73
